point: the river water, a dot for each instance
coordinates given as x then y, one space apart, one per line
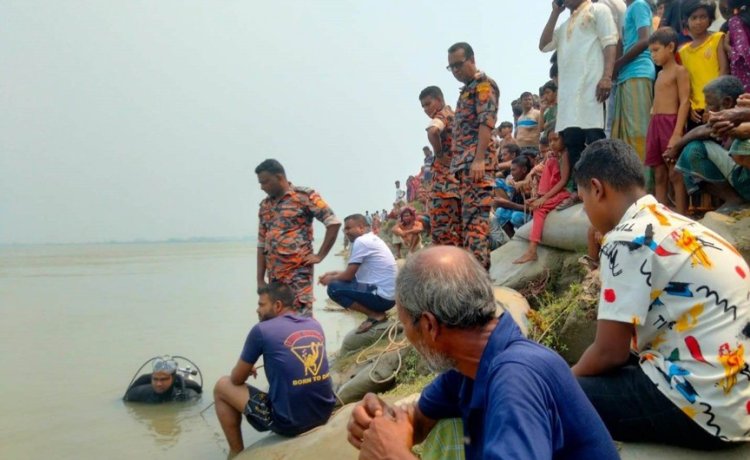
78 321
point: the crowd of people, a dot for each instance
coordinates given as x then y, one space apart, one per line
641 97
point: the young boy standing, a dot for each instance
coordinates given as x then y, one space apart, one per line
668 361
669 115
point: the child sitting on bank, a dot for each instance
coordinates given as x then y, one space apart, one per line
551 191
705 57
669 115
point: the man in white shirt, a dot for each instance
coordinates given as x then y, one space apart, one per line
586 47
368 284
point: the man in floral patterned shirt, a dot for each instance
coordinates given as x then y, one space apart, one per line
668 362
475 118
285 233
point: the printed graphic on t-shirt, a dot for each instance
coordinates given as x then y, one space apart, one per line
308 347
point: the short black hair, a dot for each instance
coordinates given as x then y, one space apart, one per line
431 91
725 86
611 161
550 85
270 166
513 149
523 161
689 7
468 50
506 124
526 93
278 292
664 36
357 218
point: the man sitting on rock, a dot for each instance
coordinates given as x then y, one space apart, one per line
369 281
668 362
409 229
300 395
517 399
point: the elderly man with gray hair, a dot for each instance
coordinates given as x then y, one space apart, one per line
517 399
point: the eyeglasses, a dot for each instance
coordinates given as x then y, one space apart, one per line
455 66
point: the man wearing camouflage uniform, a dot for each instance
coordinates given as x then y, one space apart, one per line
445 219
285 233
476 114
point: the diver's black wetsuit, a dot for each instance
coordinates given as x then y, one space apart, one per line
181 390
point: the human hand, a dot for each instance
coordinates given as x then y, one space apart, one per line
734 115
326 278
477 171
389 436
536 203
670 155
695 116
603 88
722 128
362 415
312 259
743 100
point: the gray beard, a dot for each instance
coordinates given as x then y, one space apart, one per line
436 361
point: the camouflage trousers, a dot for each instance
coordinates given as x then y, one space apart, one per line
445 220
463 218
476 204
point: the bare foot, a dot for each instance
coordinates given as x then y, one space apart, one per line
527 257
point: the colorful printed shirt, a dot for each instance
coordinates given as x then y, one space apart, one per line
687 292
477 106
285 231
296 366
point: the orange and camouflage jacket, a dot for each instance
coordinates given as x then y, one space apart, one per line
285 231
477 105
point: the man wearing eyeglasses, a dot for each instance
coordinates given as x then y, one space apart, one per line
475 117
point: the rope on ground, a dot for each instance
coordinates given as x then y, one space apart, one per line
393 345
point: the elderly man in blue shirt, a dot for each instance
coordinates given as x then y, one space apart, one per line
517 399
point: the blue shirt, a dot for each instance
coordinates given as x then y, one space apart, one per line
296 366
637 15
524 404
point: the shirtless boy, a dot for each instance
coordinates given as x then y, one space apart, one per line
669 115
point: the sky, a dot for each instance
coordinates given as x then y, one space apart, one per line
130 119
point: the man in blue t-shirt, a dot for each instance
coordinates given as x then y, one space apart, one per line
300 395
517 399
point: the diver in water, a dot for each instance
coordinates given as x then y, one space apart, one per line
163 384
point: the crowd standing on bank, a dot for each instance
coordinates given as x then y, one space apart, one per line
642 97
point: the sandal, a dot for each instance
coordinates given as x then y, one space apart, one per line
368 324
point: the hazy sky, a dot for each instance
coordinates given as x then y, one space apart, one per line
145 119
